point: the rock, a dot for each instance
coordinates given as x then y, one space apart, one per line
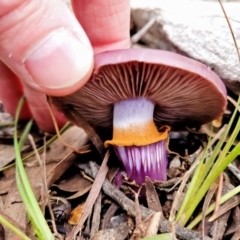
194 28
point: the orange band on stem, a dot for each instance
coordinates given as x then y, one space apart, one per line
138 135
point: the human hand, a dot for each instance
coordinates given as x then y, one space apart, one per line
45 49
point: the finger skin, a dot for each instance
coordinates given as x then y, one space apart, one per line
11 91
29 24
106 23
40 111
26 24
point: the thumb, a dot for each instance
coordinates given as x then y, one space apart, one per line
44 45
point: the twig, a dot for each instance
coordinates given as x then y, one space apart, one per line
96 218
138 218
75 117
152 196
2 232
234 170
96 187
109 214
129 206
207 202
50 108
19 228
233 202
233 102
230 28
137 36
184 180
219 193
154 224
44 195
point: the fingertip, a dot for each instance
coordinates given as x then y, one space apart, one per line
40 111
60 64
106 23
44 119
53 54
11 92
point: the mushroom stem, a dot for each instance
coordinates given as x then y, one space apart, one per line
138 143
149 160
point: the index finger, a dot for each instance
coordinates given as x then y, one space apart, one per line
106 23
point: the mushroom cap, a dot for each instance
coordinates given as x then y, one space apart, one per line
185 91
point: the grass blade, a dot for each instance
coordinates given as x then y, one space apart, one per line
34 212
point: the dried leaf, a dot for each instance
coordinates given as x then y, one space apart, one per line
96 218
7 154
109 214
128 206
75 116
141 229
73 184
234 170
234 224
236 235
152 196
101 175
115 221
9 234
5 185
2 232
205 227
227 206
76 214
13 205
180 191
80 192
164 186
206 204
154 224
220 224
59 168
138 217
73 136
119 233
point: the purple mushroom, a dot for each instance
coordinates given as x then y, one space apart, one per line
139 93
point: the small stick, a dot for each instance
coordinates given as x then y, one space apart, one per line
49 104
137 36
230 28
94 192
219 193
129 206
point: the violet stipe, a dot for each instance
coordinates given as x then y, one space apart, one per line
140 161
137 142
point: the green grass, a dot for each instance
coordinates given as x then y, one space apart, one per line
210 209
34 212
7 124
13 228
164 236
41 148
209 169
